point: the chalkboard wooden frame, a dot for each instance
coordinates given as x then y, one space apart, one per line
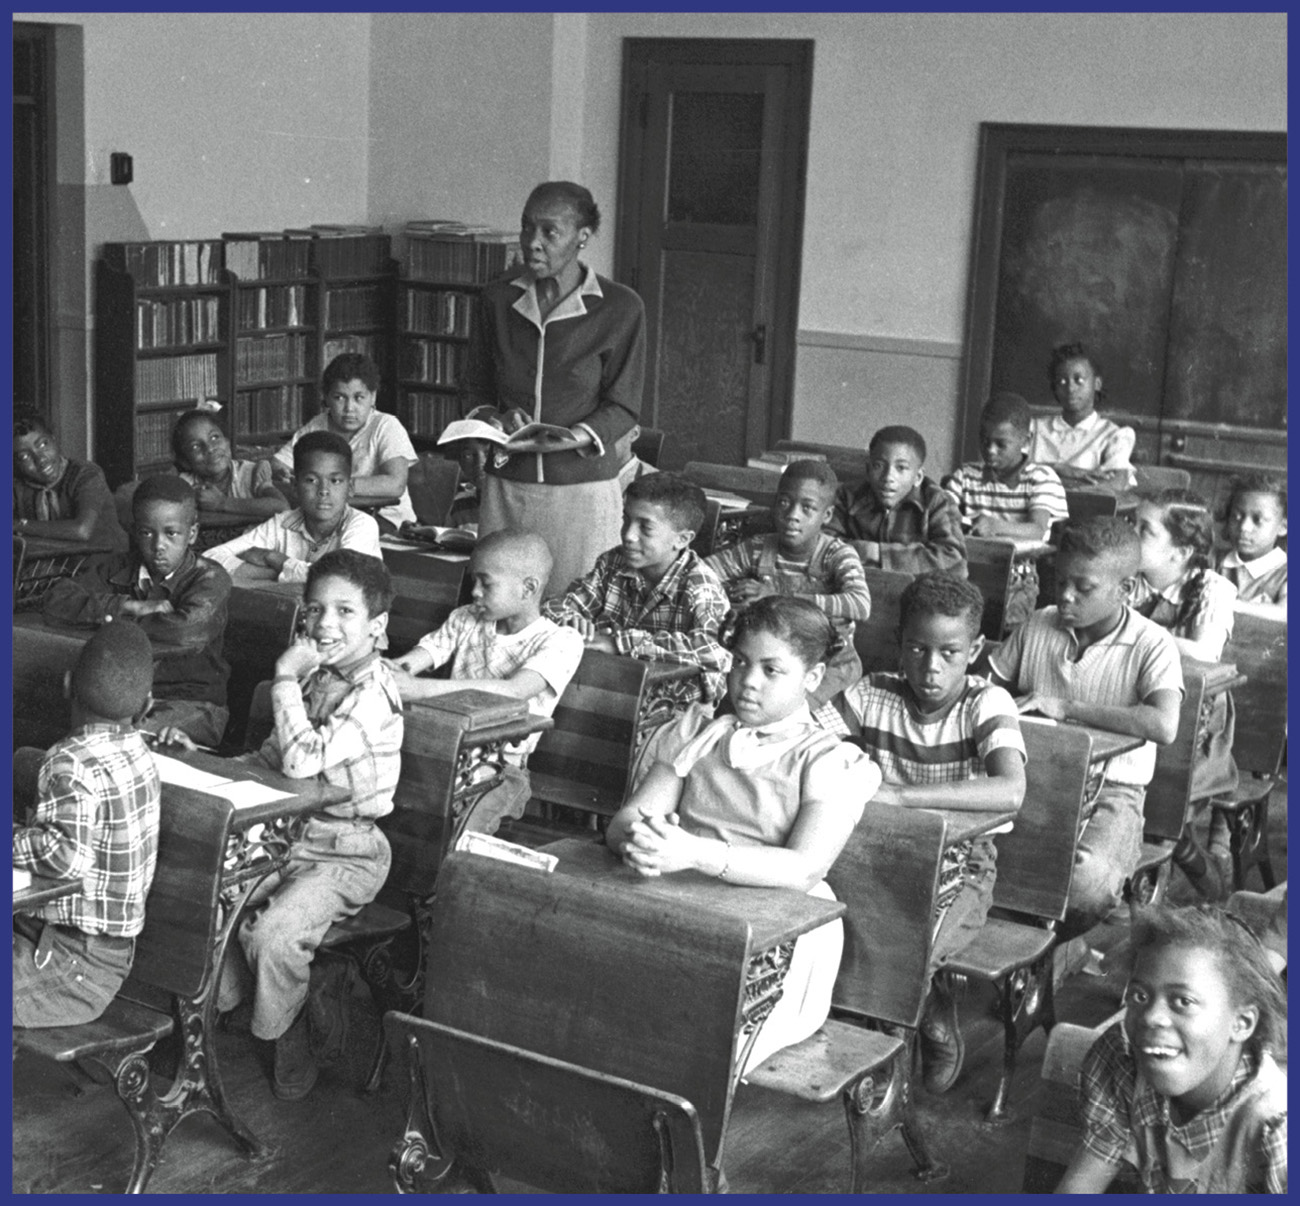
999 141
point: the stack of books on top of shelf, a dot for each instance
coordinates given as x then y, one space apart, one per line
442 249
268 255
341 249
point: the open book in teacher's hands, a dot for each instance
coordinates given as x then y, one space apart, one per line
529 434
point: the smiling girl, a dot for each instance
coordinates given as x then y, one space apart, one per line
1187 1090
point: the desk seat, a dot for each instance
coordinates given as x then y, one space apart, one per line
999 948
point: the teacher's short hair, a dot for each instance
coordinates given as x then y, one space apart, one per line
682 501
573 195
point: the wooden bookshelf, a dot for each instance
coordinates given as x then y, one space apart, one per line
162 345
442 276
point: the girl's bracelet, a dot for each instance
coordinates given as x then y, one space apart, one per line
726 859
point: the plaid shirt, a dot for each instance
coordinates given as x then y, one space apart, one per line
477 650
923 532
676 620
839 588
1029 487
1126 1120
344 727
96 819
878 714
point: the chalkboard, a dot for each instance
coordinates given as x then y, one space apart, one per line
1163 250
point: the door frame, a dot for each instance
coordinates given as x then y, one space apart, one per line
796 54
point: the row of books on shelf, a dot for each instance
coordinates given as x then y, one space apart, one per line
358 306
432 361
272 408
426 414
177 321
268 255
364 344
163 265
438 313
176 379
458 254
270 356
271 306
350 250
153 435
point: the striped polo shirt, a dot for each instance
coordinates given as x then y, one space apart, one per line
1125 668
1031 487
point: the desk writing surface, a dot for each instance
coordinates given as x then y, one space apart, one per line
305 795
775 915
1219 676
45 546
1105 744
961 826
229 520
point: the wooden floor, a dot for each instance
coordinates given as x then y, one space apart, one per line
77 1140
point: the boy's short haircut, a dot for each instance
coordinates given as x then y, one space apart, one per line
1006 407
1072 351
682 501
1258 482
940 594
316 442
362 570
527 551
350 366
27 420
811 471
166 488
899 435
114 672
1103 536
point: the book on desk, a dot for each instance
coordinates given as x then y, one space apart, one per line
479 709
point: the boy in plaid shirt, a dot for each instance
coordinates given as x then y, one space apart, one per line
944 739
96 819
653 597
500 642
338 718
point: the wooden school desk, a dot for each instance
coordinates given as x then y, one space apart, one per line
41 890
217 527
775 916
40 561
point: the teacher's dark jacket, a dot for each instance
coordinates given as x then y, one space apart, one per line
584 366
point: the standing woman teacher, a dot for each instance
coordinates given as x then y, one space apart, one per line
567 347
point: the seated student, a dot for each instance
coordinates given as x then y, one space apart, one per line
95 820
943 739
1186 1091
1255 563
221 483
472 456
652 597
800 559
1007 494
382 452
1177 589
500 642
284 546
898 519
177 599
1094 660
1078 443
338 718
631 466
760 797
57 497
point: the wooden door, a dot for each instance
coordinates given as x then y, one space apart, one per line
713 153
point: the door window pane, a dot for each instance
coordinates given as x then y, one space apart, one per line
715 140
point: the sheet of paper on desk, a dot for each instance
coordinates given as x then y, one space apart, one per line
510 852
727 500
246 793
1030 718
22 879
181 774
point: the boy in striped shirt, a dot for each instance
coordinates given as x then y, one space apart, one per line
1008 494
943 739
798 558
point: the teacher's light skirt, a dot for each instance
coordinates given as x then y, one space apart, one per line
806 994
578 521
